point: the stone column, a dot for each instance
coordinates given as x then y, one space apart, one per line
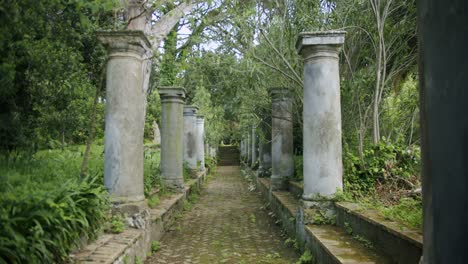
265 150
323 168
190 147
242 148
249 149
172 136
125 114
282 138
156 134
443 81
201 142
254 147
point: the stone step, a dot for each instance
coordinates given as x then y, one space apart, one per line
332 245
401 243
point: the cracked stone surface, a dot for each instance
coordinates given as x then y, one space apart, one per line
228 224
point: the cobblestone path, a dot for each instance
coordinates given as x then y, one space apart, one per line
228 224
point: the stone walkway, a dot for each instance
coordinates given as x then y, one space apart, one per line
228 224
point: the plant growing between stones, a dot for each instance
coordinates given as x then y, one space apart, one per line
155 246
117 224
153 201
306 258
252 218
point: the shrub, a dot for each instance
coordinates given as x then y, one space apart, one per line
40 226
381 163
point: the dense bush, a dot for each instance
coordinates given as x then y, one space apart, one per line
46 207
383 163
42 225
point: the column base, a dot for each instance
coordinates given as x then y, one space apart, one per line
136 214
318 211
278 183
193 173
263 172
115 199
174 184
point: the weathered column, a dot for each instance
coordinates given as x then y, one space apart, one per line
443 80
125 114
242 148
282 138
172 136
201 142
156 134
254 147
190 147
249 149
265 150
323 168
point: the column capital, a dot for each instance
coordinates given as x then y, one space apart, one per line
124 42
172 94
200 118
279 93
321 44
190 110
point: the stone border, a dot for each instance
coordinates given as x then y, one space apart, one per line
133 243
327 243
403 244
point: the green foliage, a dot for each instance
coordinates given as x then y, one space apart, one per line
138 260
306 258
45 206
294 243
186 171
42 222
50 68
367 243
214 115
153 201
382 162
407 211
152 172
298 168
211 164
117 224
252 218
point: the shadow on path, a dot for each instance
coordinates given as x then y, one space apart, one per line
226 225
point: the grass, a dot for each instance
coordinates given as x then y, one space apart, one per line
46 207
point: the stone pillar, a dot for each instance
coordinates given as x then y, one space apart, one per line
249 149
190 131
156 134
282 138
242 148
125 114
254 147
264 158
264 149
443 81
201 142
172 136
323 167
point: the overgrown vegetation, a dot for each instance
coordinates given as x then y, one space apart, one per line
43 219
46 207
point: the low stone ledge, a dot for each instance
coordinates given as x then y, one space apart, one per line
296 188
133 243
331 245
403 244
285 206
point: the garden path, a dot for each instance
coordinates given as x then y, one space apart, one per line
228 224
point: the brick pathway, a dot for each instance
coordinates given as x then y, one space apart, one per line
226 225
